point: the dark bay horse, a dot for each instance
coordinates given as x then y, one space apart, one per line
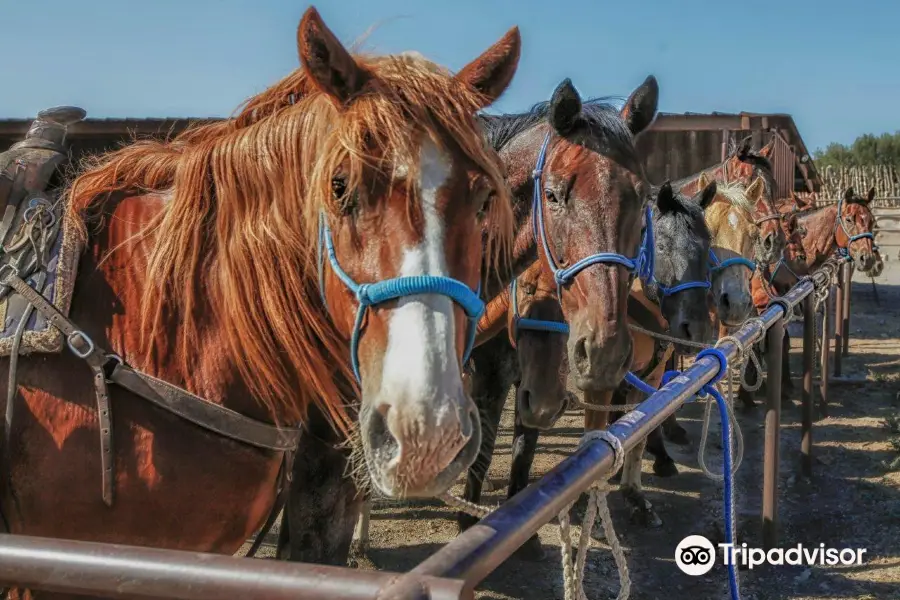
531 356
580 192
201 274
844 228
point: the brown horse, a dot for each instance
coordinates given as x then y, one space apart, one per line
844 228
581 195
200 272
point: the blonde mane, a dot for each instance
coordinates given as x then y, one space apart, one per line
735 193
239 229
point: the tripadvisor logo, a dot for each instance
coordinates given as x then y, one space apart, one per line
695 555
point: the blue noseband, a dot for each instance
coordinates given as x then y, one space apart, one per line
520 323
373 294
715 265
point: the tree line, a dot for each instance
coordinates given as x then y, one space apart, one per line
867 149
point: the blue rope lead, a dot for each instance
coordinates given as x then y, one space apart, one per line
710 389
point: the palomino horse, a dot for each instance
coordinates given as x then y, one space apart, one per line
201 274
531 357
743 166
844 228
579 194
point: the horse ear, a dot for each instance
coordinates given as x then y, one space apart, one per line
491 73
565 107
848 195
870 196
665 199
328 63
703 180
640 108
744 148
766 151
707 195
755 193
755 190
791 225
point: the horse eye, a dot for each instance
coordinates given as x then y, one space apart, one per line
338 187
551 197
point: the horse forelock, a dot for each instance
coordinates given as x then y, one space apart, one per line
240 229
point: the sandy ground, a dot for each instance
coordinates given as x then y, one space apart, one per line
853 499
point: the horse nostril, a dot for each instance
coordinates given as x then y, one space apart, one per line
526 401
686 330
725 302
581 351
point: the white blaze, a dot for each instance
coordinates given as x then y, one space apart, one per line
420 377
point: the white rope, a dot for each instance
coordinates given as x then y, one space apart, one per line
470 508
573 574
573 568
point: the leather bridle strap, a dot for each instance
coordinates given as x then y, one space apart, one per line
109 367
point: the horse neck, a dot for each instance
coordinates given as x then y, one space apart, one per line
120 254
819 242
519 157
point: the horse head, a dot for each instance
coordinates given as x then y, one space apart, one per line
681 282
407 183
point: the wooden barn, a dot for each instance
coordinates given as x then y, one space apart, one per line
677 145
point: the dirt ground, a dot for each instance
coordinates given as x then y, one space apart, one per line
853 499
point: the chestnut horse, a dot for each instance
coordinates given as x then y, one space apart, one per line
844 228
580 197
200 272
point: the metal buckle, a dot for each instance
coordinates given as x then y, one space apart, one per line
80 334
3 273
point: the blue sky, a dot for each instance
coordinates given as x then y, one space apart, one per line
835 66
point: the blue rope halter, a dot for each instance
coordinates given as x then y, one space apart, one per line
641 265
372 294
716 265
844 252
520 323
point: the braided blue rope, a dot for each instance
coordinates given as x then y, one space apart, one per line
717 265
642 264
522 323
372 294
710 389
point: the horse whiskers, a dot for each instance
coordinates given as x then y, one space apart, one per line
356 468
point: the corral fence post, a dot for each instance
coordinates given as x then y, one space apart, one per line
847 275
774 338
809 351
838 322
825 358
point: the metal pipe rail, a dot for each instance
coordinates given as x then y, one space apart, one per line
476 553
119 571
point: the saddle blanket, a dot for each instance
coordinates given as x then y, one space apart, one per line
62 267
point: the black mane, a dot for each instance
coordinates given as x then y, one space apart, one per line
609 132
